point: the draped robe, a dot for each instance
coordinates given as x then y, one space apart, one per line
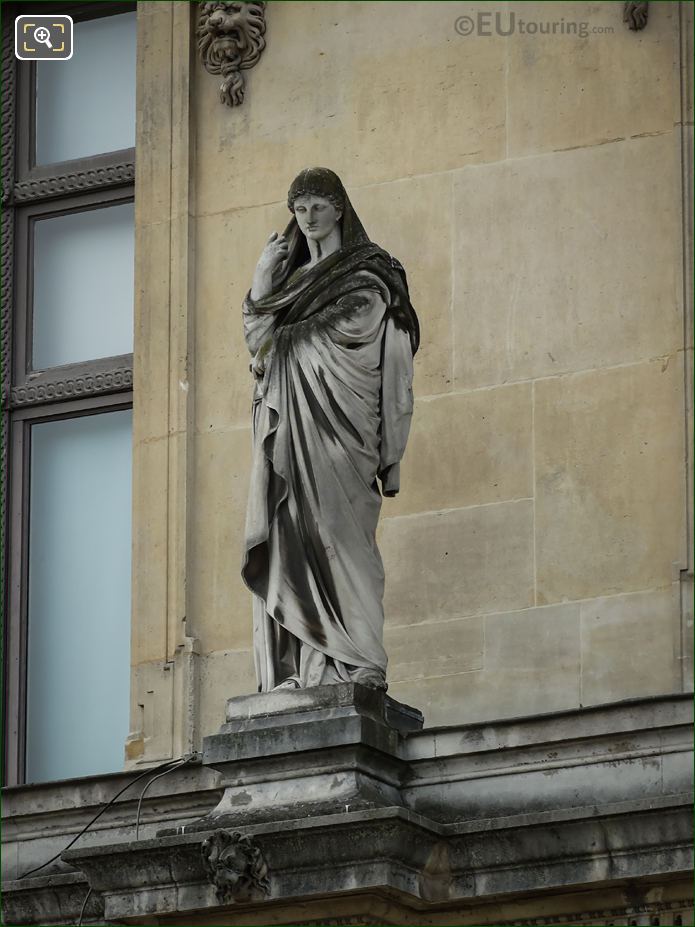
331 412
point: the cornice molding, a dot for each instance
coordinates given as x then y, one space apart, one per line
74 182
111 381
9 103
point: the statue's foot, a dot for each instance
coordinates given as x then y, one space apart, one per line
290 683
371 678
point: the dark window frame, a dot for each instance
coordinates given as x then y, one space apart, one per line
25 162
24 372
31 192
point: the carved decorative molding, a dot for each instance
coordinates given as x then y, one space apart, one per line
110 381
236 867
230 40
6 261
74 182
7 140
666 913
351 920
41 900
636 14
7 145
8 106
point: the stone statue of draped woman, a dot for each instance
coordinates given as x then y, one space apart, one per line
332 334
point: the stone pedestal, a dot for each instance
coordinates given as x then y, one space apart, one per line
293 753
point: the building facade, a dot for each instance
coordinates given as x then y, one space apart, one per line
530 164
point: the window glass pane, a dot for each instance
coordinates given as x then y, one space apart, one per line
83 286
79 596
86 106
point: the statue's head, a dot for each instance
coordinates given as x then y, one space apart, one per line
317 199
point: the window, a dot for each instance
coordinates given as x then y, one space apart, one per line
68 224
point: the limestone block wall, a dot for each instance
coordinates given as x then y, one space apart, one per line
532 186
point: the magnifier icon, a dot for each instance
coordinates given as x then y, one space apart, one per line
41 34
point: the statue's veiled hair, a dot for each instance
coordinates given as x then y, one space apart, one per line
319 181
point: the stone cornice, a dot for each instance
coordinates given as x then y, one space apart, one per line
54 899
339 803
395 854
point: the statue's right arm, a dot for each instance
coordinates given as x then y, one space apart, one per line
258 326
262 285
274 252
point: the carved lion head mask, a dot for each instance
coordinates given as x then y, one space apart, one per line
230 39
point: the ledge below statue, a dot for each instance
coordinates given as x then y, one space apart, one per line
581 816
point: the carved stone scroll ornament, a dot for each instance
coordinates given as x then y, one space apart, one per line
235 866
636 14
230 40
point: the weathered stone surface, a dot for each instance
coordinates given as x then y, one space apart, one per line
352 734
609 481
222 464
390 212
667 902
567 759
435 648
55 899
163 372
521 640
602 793
152 701
460 448
547 279
530 662
557 83
228 246
366 65
579 731
458 563
223 672
312 703
482 859
149 546
284 721
153 101
630 645
39 820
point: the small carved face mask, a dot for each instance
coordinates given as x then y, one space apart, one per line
316 216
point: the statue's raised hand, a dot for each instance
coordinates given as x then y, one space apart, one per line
274 252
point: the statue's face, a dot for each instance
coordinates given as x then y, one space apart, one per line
316 216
